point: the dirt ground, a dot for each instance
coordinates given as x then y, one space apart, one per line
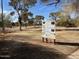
19 50
33 36
67 35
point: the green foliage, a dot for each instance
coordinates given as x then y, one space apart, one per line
39 17
7 21
65 20
77 22
68 22
0 24
22 6
57 14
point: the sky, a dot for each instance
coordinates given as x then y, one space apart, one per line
38 9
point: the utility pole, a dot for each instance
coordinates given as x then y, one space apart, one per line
3 29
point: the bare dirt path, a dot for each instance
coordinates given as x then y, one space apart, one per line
18 50
33 36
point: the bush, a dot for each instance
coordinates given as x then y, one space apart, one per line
0 24
67 23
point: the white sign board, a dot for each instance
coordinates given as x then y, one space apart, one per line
48 29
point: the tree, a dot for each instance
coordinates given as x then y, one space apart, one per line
76 5
70 6
2 22
66 21
3 28
55 15
39 17
7 21
22 6
25 21
38 20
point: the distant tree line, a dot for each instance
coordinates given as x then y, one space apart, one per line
7 20
64 20
68 22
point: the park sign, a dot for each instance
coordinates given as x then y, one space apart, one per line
48 30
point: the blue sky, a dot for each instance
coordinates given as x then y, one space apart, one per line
38 9
6 5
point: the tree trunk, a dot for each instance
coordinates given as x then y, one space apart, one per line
3 29
19 17
20 27
19 21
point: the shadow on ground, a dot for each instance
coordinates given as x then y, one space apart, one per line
18 50
67 43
